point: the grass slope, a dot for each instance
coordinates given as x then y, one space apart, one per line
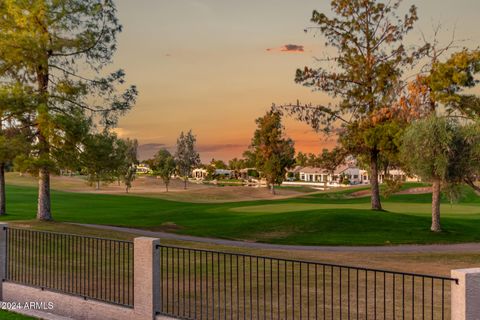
325 218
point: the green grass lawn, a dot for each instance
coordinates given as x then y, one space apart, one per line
324 218
7 315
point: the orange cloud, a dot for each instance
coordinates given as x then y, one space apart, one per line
292 48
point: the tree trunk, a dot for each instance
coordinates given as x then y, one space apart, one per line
3 199
375 200
185 183
44 206
436 206
44 210
166 187
98 185
272 189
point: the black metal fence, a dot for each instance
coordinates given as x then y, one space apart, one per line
203 284
90 267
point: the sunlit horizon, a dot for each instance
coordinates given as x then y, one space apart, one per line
215 66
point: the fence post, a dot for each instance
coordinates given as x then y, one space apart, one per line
465 297
3 255
146 278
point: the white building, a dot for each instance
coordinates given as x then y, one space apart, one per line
143 169
353 174
313 174
199 173
224 173
398 174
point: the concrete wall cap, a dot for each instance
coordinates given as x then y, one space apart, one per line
467 271
146 239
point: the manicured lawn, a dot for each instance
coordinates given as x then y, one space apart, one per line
305 189
324 218
6 315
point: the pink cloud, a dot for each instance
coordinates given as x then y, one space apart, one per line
291 48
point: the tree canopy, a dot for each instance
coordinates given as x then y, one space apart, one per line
362 77
271 151
163 165
106 158
442 151
186 156
49 49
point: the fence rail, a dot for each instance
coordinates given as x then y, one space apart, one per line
90 267
204 284
207 284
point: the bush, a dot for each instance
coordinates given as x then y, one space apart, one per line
253 173
392 185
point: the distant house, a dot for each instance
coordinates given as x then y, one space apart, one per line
312 174
400 175
199 173
322 175
346 172
293 173
354 174
248 174
224 173
143 169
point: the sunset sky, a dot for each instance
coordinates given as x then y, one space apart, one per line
213 66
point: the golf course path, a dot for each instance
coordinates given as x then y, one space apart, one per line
458 247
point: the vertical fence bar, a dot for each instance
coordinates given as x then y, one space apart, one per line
4 256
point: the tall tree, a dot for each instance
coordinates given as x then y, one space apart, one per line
163 165
186 156
442 92
236 164
441 151
467 165
99 159
448 80
272 152
128 159
13 142
15 134
367 36
218 164
51 47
